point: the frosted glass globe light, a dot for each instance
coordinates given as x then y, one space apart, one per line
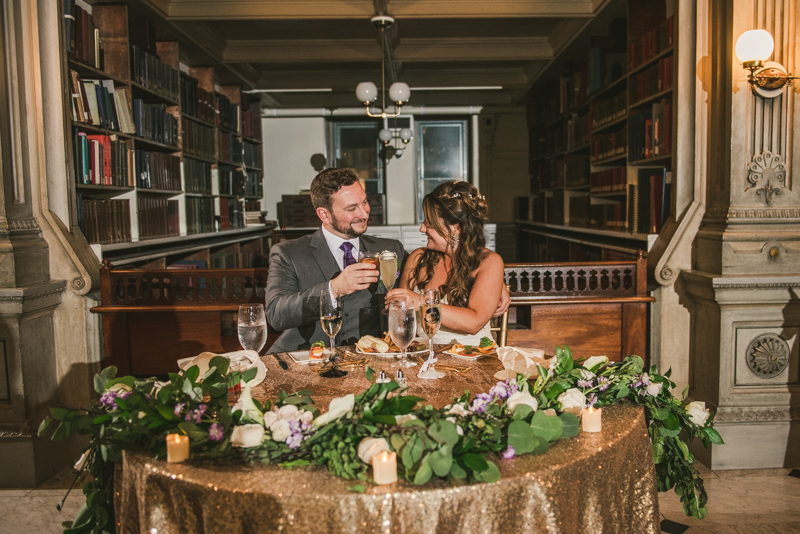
366 92
754 45
398 152
405 135
385 135
399 92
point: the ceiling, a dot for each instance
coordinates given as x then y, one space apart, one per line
331 44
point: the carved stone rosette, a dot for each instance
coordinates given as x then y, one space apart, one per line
768 355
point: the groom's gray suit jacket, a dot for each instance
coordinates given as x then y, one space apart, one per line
298 270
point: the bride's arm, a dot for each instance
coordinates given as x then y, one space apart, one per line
483 298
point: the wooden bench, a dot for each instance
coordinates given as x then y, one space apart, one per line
151 318
596 308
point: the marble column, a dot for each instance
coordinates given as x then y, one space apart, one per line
744 285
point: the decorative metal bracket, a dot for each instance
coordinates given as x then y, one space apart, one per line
768 191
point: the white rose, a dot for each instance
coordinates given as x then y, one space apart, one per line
586 375
520 397
590 363
288 412
141 414
337 408
697 412
654 389
459 430
247 435
270 418
573 400
306 416
280 430
247 407
403 418
119 387
458 409
369 447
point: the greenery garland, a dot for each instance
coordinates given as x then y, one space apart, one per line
460 441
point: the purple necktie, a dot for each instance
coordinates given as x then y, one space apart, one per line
347 247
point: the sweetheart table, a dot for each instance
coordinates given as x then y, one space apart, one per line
595 483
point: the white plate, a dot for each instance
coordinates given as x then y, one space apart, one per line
470 357
391 354
248 356
302 356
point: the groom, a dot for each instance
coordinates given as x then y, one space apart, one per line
300 268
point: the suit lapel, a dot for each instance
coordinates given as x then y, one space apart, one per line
322 254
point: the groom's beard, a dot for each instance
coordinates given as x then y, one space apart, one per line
348 229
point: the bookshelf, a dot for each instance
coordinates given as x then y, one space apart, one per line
600 123
160 151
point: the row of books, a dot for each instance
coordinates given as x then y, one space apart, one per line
251 120
98 103
228 116
573 89
651 131
577 131
150 72
554 139
224 260
158 217
607 57
80 35
576 170
231 213
610 109
196 101
554 208
607 145
230 148
99 160
155 123
199 215
652 196
104 221
251 155
197 176
652 81
198 140
609 181
157 170
607 215
651 43
232 181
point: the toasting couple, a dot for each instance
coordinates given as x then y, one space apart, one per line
455 260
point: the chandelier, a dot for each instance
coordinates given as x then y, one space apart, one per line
399 93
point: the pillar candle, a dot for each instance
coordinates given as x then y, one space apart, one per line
177 448
384 468
592 419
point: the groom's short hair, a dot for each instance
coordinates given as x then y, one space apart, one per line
328 182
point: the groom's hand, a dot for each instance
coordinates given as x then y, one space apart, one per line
355 277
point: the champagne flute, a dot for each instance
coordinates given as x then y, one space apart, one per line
330 315
403 327
388 269
430 320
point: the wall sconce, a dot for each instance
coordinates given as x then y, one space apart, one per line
767 78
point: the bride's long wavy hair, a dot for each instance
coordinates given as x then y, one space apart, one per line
453 203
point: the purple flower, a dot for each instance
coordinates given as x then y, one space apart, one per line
591 400
643 381
197 414
500 391
294 440
179 408
584 383
109 398
481 401
603 382
216 432
509 453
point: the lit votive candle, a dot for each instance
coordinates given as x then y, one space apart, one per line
177 448
592 419
384 468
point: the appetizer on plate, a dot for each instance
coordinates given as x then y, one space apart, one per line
375 345
317 350
487 346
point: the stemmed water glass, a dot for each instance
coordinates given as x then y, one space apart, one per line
403 327
252 327
430 321
330 315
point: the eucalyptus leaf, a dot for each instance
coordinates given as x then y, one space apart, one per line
521 411
424 473
412 452
444 432
192 373
357 488
546 427
397 441
521 437
221 363
476 462
441 460
571 425
490 474
369 373
457 471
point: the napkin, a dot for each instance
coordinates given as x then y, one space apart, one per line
518 360
240 360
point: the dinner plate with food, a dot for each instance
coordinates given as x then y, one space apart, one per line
316 354
385 347
487 347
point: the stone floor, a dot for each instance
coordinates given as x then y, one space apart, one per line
741 502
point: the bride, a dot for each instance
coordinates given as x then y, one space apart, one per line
456 260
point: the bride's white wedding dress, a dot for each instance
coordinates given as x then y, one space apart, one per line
445 336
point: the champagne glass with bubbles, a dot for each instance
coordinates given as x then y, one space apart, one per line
330 315
430 321
403 327
252 327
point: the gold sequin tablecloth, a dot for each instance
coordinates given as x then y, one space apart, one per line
590 483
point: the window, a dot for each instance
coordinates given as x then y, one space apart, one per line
442 155
356 145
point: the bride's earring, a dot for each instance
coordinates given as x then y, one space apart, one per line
454 240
